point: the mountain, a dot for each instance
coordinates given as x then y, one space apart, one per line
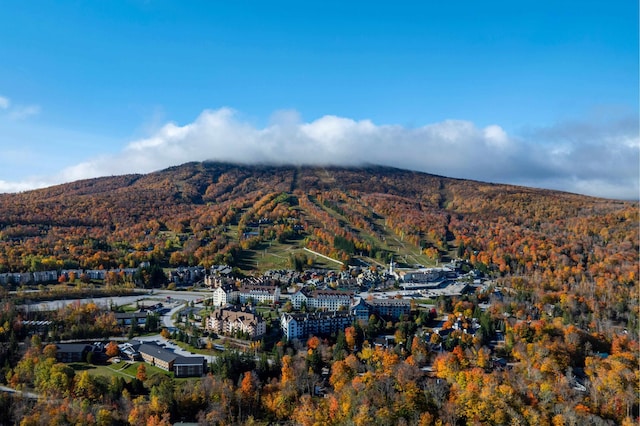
259 217
210 212
565 268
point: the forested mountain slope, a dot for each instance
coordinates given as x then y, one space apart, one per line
546 242
566 266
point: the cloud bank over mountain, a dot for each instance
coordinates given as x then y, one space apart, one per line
596 158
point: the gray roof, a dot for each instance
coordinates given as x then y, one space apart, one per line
125 315
189 360
72 347
167 356
299 316
389 302
157 352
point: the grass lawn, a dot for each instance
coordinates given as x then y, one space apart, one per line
132 369
98 370
197 351
269 255
274 255
267 312
128 370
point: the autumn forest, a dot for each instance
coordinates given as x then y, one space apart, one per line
567 314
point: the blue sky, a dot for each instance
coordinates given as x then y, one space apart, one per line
536 93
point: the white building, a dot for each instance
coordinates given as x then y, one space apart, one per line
259 294
295 326
225 294
389 308
327 300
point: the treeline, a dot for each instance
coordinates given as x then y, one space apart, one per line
554 374
560 251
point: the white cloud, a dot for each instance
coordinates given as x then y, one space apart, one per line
21 112
18 112
6 186
495 135
602 162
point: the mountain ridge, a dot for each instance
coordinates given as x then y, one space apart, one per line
133 177
212 212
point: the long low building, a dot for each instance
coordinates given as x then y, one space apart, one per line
181 366
72 352
389 308
329 300
259 293
228 293
129 318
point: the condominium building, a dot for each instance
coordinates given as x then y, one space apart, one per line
390 308
328 300
259 294
295 326
229 321
225 294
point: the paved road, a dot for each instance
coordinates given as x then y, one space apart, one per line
178 298
167 321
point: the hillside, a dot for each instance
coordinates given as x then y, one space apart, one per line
260 217
556 343
186 214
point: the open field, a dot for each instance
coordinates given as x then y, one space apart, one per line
125 369
274 255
